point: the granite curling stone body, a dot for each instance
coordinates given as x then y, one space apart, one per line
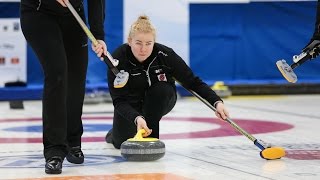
139 148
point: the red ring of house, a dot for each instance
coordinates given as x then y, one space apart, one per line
225 129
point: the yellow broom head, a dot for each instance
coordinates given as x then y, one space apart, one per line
272 153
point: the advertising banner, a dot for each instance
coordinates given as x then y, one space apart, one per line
13 51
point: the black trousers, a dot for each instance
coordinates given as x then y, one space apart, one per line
61 47
159 100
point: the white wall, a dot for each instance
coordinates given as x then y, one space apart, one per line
170 18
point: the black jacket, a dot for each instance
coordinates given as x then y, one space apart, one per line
162 65
96 12
316 34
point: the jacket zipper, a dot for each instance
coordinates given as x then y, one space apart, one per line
147 71
38 8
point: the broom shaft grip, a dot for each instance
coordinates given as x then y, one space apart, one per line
303 60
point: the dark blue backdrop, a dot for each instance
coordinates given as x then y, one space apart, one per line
240 43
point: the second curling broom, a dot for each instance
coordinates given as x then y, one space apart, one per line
287 70
121 76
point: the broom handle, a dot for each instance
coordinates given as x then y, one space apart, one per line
233 124
108 57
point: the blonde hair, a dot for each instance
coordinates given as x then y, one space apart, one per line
142 24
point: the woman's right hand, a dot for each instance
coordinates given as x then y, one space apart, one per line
142 124
62 2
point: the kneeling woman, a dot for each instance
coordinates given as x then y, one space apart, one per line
150 92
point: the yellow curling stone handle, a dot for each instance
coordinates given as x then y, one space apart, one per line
139 137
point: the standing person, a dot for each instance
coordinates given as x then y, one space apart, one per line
150 92
314 43
61 47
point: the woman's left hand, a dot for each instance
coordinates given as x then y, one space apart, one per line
221 112
100 49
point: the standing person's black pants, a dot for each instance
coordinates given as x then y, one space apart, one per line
61 47
159 100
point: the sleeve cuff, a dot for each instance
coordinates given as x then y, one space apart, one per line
135 120
216 103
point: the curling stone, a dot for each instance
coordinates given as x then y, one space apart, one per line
16 104
139 148
93 97
221 89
